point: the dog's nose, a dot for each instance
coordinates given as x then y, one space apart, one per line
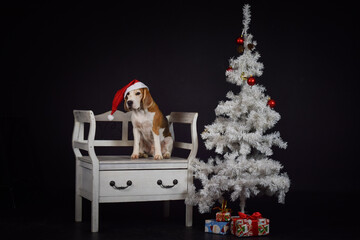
130 103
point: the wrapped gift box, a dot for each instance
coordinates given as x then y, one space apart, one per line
213 226
223 216
244 225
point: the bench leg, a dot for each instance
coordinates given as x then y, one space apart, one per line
189 216
78 198
95 196
166 209
94 216
78 208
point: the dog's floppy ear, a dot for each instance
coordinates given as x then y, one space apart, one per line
147 100
125 105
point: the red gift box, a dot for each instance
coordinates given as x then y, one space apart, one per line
245 225
223 216
225 213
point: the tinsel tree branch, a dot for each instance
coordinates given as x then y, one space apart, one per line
247 18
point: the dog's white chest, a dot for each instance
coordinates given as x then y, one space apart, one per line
143 121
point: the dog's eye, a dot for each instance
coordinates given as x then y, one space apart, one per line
138 93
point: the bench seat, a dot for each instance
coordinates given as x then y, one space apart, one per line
123 162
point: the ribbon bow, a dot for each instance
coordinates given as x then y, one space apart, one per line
254 216
223 208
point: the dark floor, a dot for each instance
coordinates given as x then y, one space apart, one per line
304 216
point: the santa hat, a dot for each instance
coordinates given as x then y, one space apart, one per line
120 95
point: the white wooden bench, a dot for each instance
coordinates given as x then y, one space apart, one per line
105 179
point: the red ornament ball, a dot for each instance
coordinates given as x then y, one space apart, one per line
271 103
240 40
229 69
251 81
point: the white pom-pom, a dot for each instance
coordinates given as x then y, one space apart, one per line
110 117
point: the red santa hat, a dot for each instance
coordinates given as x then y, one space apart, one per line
120 95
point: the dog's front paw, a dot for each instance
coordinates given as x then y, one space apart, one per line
134 156
158 157
167 155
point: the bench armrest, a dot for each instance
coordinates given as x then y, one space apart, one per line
84 116
187 118
78 142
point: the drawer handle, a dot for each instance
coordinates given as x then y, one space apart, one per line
128 183
159 182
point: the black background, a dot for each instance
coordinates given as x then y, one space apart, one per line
56 58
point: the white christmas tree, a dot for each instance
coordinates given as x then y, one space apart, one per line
240 137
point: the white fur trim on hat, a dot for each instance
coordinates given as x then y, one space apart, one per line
137 85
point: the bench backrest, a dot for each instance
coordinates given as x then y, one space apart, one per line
88 116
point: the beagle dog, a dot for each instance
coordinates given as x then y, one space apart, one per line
150 127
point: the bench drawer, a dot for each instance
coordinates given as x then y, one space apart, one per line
143 182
